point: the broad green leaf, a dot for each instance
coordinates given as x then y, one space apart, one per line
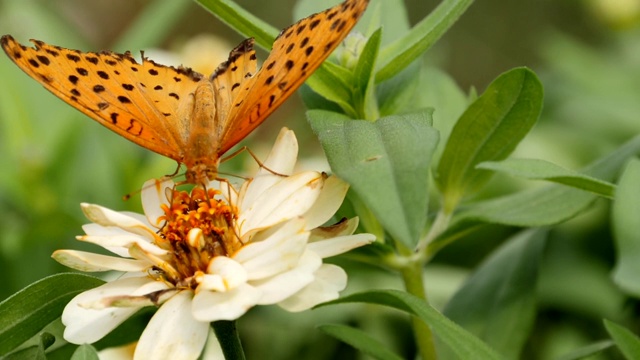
333 82
25 313
536 169
152 26
587 351
550 204
626 229
242 21
404 50
497 303
364 96
626 341
464 344
398 94
359 340
489 129
85 352
386 162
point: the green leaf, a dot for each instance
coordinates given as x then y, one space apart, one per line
536 169
497 303
333 83
489 129
25 313
402 52
587 351
154 23
364 96
242 21
626 229
464 344
359 340
547 205
85 352
386 162
627 342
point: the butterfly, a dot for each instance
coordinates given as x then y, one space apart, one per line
177 112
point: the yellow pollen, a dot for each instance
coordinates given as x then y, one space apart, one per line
198 226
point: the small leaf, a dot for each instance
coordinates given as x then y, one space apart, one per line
488 130
497 303
627 342
403 51
364 96
25 313
241 21
360 340
587 351
333 82
85 352
535 169
386 162
626 229
464 344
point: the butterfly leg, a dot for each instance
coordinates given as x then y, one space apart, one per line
254 156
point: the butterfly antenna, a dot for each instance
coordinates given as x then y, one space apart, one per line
255 157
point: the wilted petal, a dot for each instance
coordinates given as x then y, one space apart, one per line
329 281
172 332
342 228
90 262
213 306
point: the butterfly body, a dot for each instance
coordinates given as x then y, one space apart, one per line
177 112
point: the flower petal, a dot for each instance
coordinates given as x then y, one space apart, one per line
212 306
341 244
153 196
107 217
90 262
283 285
233 273
123 242
278 252
329 280
172 332
289 198
329 201
89 325
342 228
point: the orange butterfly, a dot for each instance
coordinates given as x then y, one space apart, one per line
177 112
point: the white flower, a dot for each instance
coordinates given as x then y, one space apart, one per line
212 254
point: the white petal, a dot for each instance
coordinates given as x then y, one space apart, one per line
107 217
281 251
289 198
212 306
329 201
172 332
227 190
283 285
90 262
212 349
281 159
342 228
88 325
123 242
341 244
233 273
329 280
153 196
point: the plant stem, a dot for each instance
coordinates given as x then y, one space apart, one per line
229 339
414 283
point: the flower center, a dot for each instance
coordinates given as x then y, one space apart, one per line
197 228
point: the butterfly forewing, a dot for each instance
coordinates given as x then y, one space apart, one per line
297 52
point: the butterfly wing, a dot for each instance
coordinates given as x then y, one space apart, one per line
297 52
145 103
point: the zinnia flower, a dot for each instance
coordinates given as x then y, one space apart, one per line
212 254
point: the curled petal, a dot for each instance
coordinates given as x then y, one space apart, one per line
90 262
342 228
213 306
153 197
232 273
329 201
172 332
107 217
328 282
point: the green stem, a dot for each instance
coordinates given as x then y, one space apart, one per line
414 283
229 339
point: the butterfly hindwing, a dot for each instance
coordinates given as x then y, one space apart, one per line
297 52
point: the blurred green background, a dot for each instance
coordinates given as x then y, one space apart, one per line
587 54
